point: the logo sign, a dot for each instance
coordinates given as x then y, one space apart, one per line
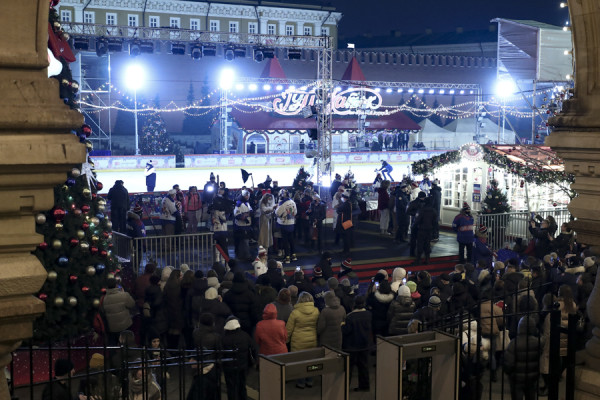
346 102
471 151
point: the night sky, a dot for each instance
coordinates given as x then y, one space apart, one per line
379 17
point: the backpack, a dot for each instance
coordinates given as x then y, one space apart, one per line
99 322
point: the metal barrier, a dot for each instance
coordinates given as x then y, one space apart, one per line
505 228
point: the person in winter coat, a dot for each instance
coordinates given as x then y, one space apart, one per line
463 226
117 306
213 305
169 213
204 386
58 388
347 272
260 263
283 306
344 213
522 361
325 265
402 217
317 212
243 302
286 219
481 249
302 329
193 209
270 334
300 281
143 387
272 276
358 341
542 237
400 312
329 324
436 202
142 283
242 226
98 386
425 221
150 173
265 223
563 243
429 314
319 289
220 208
174 308
491 322
119 204
383 200
378 302
398 275
244 354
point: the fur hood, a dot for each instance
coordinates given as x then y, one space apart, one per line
384 298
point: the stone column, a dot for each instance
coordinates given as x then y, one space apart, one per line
576 138
36 150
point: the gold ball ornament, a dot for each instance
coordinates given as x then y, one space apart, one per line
110 275
40 219
101 208
90 270
75 172
84 245
59 226
80 234
89 145
109 224
96 303
101 201
56 244
95 238
95 220
52 275
59 301
72 301
86 192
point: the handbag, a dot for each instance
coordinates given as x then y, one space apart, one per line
348 223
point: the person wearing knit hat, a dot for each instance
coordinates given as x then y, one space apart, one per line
589 262
184 268
435 301
319 288
403 291
414 293
400 312
347 271
260 263
333 283
463 226
97 361
244 353
211 293
347 264
59 388
398 275
412 286
384 273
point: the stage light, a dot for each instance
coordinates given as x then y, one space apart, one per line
294 54
442 91
258 55
291 88
228 53
196 52
462 92
226 79
101 47
303 88
279 87
337 89
178 48
209 50
563 5
134 76
81 43
451 91
239 52
269 52
471 92
266 86
388 90
239 86
411 90
431 91
421 91
115 45
134 48
377 90
252 87
400 90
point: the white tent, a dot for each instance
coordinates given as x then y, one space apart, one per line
465 129
434 137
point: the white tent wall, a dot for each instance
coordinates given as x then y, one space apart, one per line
435 137
553 64
464 130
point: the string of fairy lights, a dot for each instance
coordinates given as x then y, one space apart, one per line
251 105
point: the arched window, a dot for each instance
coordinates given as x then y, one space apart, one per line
256 143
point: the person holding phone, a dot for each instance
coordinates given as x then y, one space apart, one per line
541 234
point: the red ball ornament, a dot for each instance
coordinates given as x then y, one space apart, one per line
110 245
59 214
554 204
43 246
93 250
85 208
73 278
85 225
43 296
87 130
105 234
103 290
103 253
99 185
73 242
85 289
94 195
522 183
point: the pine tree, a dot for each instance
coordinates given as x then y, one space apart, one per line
155 138
191 121
495 201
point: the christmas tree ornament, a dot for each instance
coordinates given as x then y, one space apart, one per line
70 182
99 185
90 270
72 300
94 195
63 261
52 275
554 204
106 235
118 279
84 245
95 220
86 192
40 219
59 226
100 216
43 296
103 290
43 246
85 226
75 173
101 201
73 278
85 289
103 253
56 244
95 238
110 275
77 212
100 267
93 249
80 234
59 301
522 183
96 303
59 214
73 242
85 208
108 224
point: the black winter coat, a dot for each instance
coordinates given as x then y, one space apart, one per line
158 319
243 304
379 304
522 356
399 315
218 309
245 350
356 332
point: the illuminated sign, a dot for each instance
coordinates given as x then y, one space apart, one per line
471 151
345 102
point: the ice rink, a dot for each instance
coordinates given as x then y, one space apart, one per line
134 180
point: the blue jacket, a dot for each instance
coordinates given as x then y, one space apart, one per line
481 251
463 226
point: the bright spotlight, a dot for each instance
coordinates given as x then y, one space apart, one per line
239 86
337 89
462 92
563 5
303 88
388 90
431 91
252 87
471 92
421 91
377 90
226 79
279 87
400 90
451 91
505 88
134 76
266 87
442 91
291 88
411 90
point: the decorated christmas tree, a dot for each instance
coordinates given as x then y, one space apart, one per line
76 250
495 202
155 139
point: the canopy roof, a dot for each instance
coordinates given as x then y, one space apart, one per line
353 71
273 69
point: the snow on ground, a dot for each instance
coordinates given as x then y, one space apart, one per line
135 181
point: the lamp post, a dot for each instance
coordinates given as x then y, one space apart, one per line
225 83
135 79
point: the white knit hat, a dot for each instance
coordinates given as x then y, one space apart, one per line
403 291
232 324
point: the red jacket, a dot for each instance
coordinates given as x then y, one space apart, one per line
270 334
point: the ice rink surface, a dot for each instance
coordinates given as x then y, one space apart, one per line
135 181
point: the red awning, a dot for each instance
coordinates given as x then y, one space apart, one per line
264 121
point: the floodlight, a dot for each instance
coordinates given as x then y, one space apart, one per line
252 87
266 86
377 90
294 54
239 52
279 87
239 86
115 45
146 47
421 91
388 90
134 76
226 79
134 48
229 53
81 43
451 91
400 90
258 55
178 48
505 88
462 92
269 52
442 91
209 50
196 52
411 90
